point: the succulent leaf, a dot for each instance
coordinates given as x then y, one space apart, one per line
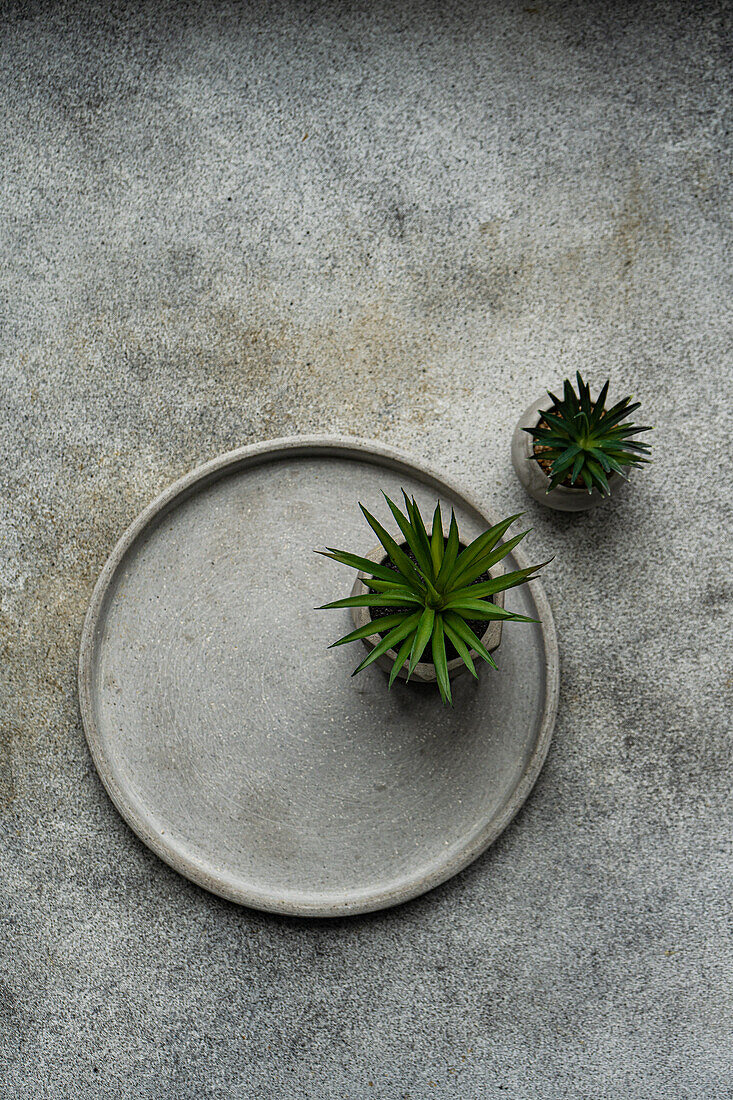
371 601
484 562
440 660
402 655
423 635
397 634
356 562
460 647
482 544
374 626
499 584
417 520
412 538
396 555
450 554
437 541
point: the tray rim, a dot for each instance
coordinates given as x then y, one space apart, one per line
199 479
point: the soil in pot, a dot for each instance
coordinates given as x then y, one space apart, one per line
478 626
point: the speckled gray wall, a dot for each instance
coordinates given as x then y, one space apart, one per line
221 224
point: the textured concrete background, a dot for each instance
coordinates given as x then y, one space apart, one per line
223 224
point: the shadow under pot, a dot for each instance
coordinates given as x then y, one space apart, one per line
564 498
424 671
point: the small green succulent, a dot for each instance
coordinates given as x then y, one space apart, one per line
435 589
584 440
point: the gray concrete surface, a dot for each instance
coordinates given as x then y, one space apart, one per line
222 224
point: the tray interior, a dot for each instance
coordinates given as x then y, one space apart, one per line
239 746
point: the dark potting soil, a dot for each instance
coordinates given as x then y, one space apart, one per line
478 626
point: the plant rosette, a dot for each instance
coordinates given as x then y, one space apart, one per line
424 671
594 453
563 498
430 590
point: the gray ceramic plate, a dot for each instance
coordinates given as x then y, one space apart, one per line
237 745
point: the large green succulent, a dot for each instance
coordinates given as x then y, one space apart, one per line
434 588
582 439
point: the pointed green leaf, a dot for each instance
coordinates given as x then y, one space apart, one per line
628 446
422 637
411 537
461 648
440 661
450 555
393 589
569 397
481 545
422 530
364 565
621 431
598 407
498 584
400 659
540 433
437 540
583 393
577 467
398 556
394 636
484 562
372 601
463 630
374 626
565 460
419 525
560 425
613 464
483 611
600 457
598 476
618 413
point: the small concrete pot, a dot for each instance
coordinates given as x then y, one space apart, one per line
424 671
564 498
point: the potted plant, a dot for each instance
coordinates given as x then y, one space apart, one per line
571 452
429 590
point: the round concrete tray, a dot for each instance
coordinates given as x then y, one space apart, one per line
237 745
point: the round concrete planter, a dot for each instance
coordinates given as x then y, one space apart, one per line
564 498
424 671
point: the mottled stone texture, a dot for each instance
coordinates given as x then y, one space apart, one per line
224 223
